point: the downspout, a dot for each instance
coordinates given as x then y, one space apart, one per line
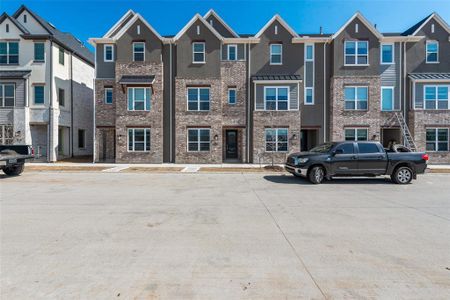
50 108
404 80
71 104
324 92
93 107
171 158
248 101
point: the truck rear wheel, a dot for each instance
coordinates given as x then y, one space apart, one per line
402 175
13 170
316 175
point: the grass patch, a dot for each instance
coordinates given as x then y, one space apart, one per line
237 170
442 171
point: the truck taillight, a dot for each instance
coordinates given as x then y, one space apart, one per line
425 157
32 151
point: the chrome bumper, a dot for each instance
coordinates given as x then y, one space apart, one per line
296 171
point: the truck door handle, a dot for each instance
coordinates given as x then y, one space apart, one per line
354 157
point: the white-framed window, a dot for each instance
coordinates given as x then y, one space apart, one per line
108 54
39 52
198 98
356 97
276 98
276 139
199 139
138 51
139 98
108 95
81 138
387 53
232 95
436 97
138 139
437 139
232 52
9 53
198 52
356 134
432 52
6 134
309 52
387 98
7 94
356 53
309 95
276 54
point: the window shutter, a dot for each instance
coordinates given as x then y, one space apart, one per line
148 99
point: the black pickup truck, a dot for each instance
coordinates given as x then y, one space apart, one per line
357 159
13 157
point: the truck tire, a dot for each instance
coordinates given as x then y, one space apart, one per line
402 175
13 170
316 175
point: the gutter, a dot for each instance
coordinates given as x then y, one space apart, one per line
50 108
71 104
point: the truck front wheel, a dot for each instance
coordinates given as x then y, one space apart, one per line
13 170
402 175
316 175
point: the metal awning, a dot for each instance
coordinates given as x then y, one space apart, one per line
137 79
22 74
275 78
430 76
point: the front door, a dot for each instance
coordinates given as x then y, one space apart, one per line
231 143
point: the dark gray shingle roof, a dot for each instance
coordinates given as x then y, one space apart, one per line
413 28
276 77
430 76
137 79
14 74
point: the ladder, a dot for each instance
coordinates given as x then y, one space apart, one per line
409 141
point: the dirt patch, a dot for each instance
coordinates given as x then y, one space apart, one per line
151 170
274 168
63 168
77 159
237 170
443 171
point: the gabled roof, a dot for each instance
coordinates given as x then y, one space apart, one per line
191 22
131 22
413 30
118 23
5 16
364 21
211 12
65 39
281 21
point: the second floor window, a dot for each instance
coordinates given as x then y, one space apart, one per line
38 94
432 55
387 53
39 52
356 53
276 98
7 95
436 97
108 95
109 53
198 99
138 51
387 98
276 139
139 98
9 53
232 52
198 52
61 97
276 54
232 96
356 97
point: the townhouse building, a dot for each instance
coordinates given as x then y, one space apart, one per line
211 95
46 87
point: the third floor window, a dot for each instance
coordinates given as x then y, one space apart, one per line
109 53
276 98
198 52
387 53
276 54
39 52
9 53
432 49
356 53
138 51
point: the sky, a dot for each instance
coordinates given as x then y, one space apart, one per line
86 19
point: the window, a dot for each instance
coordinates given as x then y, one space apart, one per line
6 134
276 98
355 97
346 148
232 96
7 95
9 53
108 95
436 97
387 53
356 53
61 97
276 53
276 140
139 99
61 56
198 99
366 148
138 51
387 98
232 52
437 139
138 139
198 140
309 95
432 55
108 55
39 52
356 134
309 53
38 94
81 138
198 52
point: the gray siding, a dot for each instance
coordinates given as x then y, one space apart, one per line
389 76
104 69
6 115
240 52
309 74
293 95
217 25
419 92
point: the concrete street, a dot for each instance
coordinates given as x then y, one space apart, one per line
99 235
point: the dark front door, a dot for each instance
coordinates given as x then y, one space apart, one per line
231 144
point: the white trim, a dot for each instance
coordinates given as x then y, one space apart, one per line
112 53
228 52
143 52
306 55
356 53
145 99
277 87
198 140
393 53
203 52
132 21
198 98
426 52
145 139
191 22
112 96
270 54
393 98
364 21
438 19
276 139
436 100
118 23
305 88
211 12
281 21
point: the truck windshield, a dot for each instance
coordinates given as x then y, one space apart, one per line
324 148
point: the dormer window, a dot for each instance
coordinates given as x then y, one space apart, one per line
276 54
138 51
198 52
356 53
432 49
109 53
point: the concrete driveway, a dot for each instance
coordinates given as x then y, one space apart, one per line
93 235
